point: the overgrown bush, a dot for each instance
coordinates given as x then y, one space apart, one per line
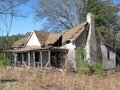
118 68
99 68
4 62
82 65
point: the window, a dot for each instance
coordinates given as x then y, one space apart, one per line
108 54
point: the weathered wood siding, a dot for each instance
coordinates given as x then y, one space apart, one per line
109 59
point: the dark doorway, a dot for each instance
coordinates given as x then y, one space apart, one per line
55 59
37 57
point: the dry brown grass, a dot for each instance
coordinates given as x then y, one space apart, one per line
34 79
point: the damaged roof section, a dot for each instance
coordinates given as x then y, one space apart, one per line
50 38
74 32
42 36
45 38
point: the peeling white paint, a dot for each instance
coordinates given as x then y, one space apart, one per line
71 54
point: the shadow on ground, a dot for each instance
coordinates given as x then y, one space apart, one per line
8 80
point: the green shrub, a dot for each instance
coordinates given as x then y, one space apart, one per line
4 62
99 68
118 68
82 66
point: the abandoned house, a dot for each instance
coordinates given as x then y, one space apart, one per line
42 49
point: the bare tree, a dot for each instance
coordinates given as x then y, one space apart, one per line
9 10
60 14
7 5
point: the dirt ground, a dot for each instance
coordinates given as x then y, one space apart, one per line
34 79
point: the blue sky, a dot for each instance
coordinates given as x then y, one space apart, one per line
24 25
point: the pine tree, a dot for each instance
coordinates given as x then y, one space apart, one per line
106 18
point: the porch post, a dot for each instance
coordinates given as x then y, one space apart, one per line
49 62
22 58
10 56
29 59
41 60
15 59
34 58
4 55
49 56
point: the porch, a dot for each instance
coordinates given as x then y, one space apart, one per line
35 57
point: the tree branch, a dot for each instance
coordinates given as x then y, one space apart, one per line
10 7
67 27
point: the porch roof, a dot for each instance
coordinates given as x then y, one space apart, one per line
35 48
